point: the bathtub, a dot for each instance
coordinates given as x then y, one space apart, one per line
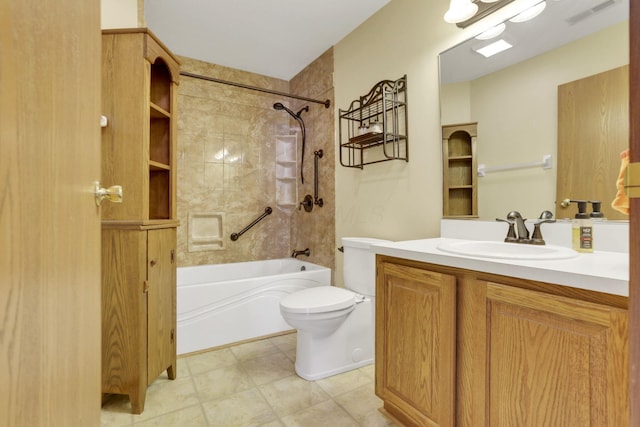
225 303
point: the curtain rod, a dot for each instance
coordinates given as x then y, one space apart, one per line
326 103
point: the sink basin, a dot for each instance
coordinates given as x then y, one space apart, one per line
503 250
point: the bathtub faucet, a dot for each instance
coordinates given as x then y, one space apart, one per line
295 253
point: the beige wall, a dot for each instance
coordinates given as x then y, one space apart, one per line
395 200
511 130
122 13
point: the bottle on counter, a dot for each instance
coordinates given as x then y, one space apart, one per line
582 229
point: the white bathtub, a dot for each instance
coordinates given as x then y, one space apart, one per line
226 303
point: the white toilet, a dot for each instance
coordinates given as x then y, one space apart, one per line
336 326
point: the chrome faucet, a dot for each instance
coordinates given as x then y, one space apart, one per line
295 253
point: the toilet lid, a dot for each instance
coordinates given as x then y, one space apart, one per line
318 300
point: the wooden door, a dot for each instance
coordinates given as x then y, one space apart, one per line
554 361
593 129
49 223
634 216
161 303
415 344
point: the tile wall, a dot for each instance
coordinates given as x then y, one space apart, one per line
226 166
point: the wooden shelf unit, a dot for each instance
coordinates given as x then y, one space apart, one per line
460 171
139 82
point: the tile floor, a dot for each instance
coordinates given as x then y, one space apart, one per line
252 384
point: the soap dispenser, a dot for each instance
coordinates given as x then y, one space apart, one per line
582 229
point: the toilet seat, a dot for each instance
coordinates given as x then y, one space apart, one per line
320 299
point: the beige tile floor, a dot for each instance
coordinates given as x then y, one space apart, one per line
252 384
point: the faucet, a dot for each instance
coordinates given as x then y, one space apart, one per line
522 232
518 231
295 253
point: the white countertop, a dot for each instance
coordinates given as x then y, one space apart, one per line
599 271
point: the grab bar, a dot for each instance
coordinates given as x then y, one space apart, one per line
545 163
316 200
235 236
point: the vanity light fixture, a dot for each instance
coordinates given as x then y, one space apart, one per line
529 13
465 12
492 32
460 11
493 48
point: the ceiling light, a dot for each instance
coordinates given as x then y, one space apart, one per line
493 48
460 10
489 1
492 32
530 13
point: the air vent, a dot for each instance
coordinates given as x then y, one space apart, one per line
591 11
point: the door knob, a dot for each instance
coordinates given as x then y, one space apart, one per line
113 193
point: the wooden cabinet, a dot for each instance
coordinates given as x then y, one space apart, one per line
552 360
460 170
525 353
139 78
415 344
138 310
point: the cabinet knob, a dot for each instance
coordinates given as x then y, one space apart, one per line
153 262
112 194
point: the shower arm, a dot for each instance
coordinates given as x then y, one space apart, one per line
316 200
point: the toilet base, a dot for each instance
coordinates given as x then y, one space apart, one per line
349 347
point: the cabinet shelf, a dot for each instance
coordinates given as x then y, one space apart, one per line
158 112
460 175
155 166
383 108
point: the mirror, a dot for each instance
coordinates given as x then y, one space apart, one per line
513 97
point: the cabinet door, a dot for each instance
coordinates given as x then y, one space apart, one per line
415 344
161 302
554 361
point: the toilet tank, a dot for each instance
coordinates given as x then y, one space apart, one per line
360 264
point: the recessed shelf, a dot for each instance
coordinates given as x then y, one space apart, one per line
459 170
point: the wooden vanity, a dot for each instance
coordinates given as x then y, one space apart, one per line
458 346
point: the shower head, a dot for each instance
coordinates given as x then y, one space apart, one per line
279 106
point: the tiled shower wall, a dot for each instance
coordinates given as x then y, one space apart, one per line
316 229
226 166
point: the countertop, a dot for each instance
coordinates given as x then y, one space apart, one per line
599 271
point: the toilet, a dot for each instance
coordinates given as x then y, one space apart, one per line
336 326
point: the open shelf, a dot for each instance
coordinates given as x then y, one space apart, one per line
377 119
459 170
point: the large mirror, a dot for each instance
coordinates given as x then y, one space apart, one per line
513 97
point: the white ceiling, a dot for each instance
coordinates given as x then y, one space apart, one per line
276 38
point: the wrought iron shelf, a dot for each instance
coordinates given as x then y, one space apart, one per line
377 119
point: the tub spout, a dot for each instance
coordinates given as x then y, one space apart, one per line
295 253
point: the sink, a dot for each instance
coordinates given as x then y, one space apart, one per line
503 250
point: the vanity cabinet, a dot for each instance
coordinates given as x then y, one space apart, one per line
523 352
139 80
460 171
415 344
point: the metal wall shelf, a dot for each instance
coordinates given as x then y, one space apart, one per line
377 119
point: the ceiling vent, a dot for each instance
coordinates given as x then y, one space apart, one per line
589 12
